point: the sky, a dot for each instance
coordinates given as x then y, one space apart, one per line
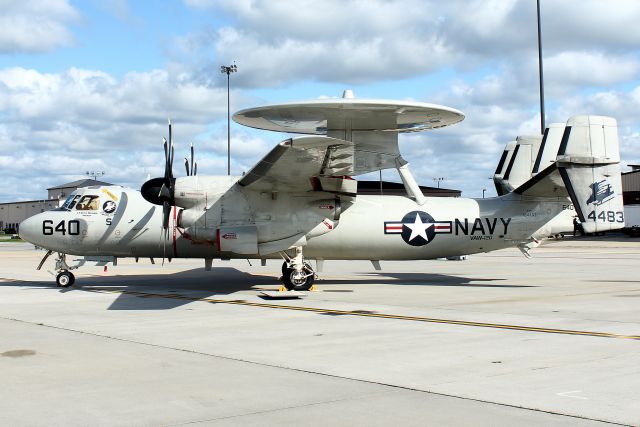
88 85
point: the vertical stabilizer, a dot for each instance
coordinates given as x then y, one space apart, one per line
516 163
498 176
548 151
589 163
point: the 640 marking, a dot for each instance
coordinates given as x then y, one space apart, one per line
71 227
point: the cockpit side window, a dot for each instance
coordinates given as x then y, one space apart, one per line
88 203
71 201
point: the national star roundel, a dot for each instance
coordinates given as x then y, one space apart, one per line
417 228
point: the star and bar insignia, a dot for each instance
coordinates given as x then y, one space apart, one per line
417 228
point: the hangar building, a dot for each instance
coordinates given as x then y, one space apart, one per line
13 213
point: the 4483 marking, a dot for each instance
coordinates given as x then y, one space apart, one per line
607 216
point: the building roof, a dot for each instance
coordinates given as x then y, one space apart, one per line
30 201
86 182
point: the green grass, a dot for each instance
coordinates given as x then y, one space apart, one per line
10 240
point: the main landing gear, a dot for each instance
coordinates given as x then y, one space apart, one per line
297 274
64 277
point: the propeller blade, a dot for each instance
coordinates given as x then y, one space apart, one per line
195 169
166 211
192 159
171 164
166 158
186 165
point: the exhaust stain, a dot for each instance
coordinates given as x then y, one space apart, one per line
18 353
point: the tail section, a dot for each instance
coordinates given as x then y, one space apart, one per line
549 147
526 157
518 161
586 168
589 162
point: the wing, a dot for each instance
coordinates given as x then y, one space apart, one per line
312 163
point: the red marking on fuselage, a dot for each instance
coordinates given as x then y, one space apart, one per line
175 246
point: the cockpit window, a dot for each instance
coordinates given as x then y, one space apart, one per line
70 202
88 203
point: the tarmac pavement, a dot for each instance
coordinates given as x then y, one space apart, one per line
497 339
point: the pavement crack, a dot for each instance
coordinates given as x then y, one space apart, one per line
285 408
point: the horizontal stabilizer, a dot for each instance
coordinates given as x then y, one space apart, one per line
547 183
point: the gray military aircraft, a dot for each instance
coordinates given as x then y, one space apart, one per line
300 201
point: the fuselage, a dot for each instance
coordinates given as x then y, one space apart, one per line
116 221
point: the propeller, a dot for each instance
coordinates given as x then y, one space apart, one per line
161 190
166 193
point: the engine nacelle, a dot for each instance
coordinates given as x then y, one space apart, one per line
192 191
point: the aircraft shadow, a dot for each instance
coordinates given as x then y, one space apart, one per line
196 284
425 279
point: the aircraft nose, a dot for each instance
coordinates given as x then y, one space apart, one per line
29 229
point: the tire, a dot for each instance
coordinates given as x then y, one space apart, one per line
64 279
287 273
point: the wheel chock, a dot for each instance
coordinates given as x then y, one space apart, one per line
282 289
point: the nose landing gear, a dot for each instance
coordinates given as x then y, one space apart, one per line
297 274
64 278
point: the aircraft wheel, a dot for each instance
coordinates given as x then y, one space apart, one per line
298 281
65 279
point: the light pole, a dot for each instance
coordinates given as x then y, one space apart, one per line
542 126
228 70
438 180
95 175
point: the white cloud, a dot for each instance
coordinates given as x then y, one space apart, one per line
35 25
90 120
361 41
58 126
591 68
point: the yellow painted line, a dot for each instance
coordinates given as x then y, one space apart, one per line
376 315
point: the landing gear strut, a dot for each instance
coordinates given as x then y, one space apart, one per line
297 274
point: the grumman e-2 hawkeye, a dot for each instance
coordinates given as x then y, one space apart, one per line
300 201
